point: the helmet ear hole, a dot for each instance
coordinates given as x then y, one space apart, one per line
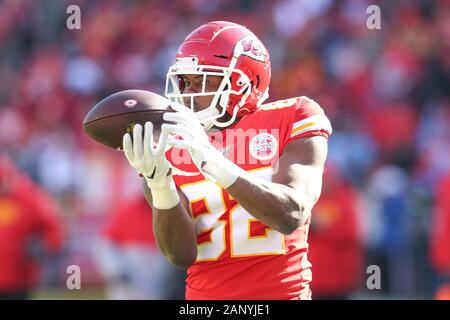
242 80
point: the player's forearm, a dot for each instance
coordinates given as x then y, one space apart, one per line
276 205
175 236
174 233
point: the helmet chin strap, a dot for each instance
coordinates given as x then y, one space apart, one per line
209 116
206 117
235 110
229 122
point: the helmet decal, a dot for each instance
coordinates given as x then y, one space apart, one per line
251 47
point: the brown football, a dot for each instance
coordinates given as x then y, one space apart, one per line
115 115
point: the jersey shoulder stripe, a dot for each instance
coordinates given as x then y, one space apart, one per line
317 122
304 114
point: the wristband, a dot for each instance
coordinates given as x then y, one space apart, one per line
166 197
225 173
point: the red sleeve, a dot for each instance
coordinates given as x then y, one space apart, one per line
307 119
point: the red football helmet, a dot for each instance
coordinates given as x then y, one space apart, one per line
224 49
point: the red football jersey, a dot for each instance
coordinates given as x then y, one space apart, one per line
238 256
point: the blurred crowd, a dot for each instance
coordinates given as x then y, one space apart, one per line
386 92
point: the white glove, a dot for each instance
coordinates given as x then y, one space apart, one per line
150 161
211 163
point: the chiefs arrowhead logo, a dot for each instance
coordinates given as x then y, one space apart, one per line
252 47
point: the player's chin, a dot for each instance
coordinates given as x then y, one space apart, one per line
197 109
198 105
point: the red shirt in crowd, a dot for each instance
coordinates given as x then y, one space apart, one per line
27 219
131 223
336 252
440 237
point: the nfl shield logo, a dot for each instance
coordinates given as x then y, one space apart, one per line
263 146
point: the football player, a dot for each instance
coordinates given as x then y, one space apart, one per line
238 218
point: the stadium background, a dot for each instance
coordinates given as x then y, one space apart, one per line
385 91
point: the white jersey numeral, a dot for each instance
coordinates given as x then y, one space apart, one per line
242 243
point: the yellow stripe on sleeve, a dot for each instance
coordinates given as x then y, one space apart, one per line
302 127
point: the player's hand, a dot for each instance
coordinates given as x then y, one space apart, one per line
187 126
145 156
211 163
